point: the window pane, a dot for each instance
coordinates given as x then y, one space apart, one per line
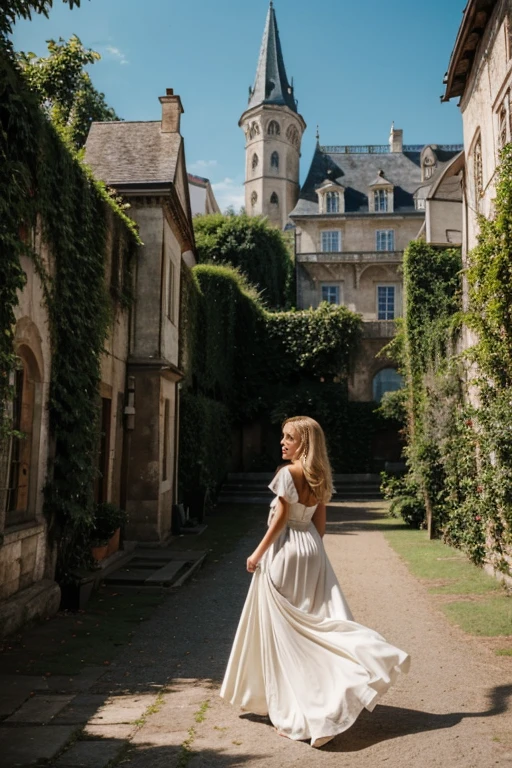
331 293
331 240
386 302
387 380
385 240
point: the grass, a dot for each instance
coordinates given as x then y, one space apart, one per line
479 604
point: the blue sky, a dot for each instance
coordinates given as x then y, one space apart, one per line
357 66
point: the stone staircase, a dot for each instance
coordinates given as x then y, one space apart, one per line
251 488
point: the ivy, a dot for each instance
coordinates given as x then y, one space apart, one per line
45 184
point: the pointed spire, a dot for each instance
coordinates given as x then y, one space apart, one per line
318 135
271 84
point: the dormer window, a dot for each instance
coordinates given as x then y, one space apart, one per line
380 195
332 202
380 200
331 197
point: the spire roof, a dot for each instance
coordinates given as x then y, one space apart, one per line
271 84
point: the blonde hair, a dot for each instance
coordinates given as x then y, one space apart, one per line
314 458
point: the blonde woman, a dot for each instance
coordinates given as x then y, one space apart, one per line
298 655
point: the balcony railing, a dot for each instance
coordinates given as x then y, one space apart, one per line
380 149
379 329
350 257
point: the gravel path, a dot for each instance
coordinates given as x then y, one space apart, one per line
452 710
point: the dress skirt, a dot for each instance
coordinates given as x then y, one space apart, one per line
298 655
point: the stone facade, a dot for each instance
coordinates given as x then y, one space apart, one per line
157 189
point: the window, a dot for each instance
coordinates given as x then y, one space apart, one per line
274 200
170 292
502 126
254 198
331 293
385 302
380 200
254 130
255 161
478 176
385 240
387 380
331 240
332 202
274 160
292 135
273 128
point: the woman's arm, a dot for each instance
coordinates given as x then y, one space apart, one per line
277 524
319 519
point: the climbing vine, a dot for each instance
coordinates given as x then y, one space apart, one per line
44 188
459 438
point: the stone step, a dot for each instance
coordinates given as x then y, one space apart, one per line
150 568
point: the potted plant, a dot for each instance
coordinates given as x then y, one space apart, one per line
108 519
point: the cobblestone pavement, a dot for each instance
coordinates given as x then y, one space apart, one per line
158 705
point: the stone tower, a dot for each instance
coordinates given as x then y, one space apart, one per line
273 131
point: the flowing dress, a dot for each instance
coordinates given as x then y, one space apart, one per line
298 655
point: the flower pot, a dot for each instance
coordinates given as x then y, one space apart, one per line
99 553
113 542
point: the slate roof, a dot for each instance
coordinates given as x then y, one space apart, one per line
271 84
357 172
132 153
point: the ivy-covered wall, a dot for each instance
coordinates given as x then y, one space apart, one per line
459 439
41 181
245 364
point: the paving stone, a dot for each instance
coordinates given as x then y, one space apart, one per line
29 745
40 709
81 682
122 709
90 754
15 689
122 731
81 709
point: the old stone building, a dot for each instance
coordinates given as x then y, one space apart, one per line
145 163
357 210
273 132
202 198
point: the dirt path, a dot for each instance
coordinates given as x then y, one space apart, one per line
454 709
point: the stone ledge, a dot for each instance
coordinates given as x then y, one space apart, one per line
30 604
23 531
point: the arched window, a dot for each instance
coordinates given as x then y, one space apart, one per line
17 503
386 380
478 175
274 200
254 198
332 202
292 135
274 160
273 128
255 161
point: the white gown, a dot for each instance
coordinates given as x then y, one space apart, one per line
298 655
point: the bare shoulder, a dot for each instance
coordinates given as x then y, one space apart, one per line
296 471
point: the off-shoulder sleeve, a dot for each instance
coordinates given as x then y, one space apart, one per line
283 485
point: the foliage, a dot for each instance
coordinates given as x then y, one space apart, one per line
43 182
251 244
107 519
12 9
64 88
244 363
459 450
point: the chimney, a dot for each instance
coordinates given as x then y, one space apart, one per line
172 110
396 139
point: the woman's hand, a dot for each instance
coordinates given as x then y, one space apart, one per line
252 562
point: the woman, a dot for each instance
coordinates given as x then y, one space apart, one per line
298 655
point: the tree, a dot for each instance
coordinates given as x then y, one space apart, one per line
65 90
11 9
252 245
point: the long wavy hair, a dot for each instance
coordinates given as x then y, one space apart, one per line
314 457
